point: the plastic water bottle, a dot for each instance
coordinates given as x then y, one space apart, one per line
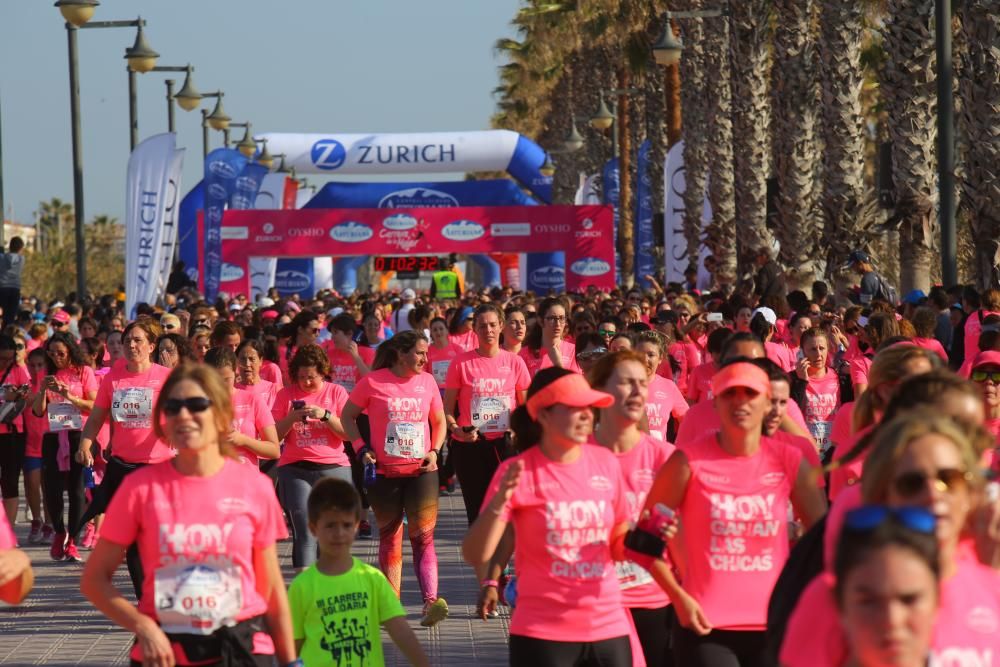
510 592
88 477
369 474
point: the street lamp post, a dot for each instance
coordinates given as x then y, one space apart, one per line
946 144
133 103
188 99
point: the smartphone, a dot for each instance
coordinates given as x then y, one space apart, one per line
714 317
298 405
468 429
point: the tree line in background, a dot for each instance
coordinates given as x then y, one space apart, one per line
828 104
50 263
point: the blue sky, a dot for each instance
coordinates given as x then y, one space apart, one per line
302 65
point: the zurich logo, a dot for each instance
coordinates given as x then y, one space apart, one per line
217 191
463 230
590 266
230 272
268 228
290 280
222 169
351 232
400 222
328 154
588 223
549 277
417 197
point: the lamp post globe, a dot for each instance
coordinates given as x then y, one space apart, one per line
141 58
188 97
667 50
218 119
77 12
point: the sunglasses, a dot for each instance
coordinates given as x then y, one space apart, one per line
589 355
911 484
172 406
982 376
607 333
871 517
59 324
19 347
169 327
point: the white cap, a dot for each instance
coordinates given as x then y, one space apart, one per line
333 312
265 302
768 314
408 294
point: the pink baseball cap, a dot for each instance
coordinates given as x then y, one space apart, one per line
60 316
269 315
986 358
741 374
572 390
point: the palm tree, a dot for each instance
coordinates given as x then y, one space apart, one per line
796 133
54 216
981 97
750 44
693 105
909 96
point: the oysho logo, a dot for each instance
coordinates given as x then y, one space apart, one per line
291 281
590 266
308 232
222 169
463 230
550 277
417 197
328 154
217 191
230 272
351 232
400 222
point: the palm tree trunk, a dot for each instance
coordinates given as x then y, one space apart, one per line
626 215
750 41
981 97
721 232
693 105
909 93
672 97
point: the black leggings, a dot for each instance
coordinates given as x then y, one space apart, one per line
616 652
57 481
475 464
653 628
11 462
719 648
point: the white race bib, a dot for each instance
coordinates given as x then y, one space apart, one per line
491 414
631 575
197 598
64 417
404 440
132 407
440 370
820 431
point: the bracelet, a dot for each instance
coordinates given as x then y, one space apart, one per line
326 415
490 582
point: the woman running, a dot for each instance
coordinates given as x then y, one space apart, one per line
515 329
253 434
986 374
249 357
441 352
816 387
15 383
407 431
349 362
665 399
206 527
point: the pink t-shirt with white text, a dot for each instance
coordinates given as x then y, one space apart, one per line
735 518
487 389
439 360
81 382
17 376
663 400
702 419
822 400
250 417
343 370
311 440
537 361
182 522
129 399
398 411
563 516
265 389
700 382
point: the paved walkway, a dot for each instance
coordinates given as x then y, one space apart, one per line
57 626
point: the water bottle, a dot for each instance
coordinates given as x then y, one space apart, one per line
88 477
369 474
510 592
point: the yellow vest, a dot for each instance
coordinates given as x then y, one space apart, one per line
445 285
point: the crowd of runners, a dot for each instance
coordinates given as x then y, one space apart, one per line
651 477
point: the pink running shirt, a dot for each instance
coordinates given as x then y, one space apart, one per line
311 440
808 450
250 416
343 370
129 399
63 415
700 382
702 419
487 389
535 363
17 376
398 411
440 360
196 538
271 372
822 400
663 401
567 588
848 474
467 341
265 389
735 542
931 345
675 352
780 354
36 427
859 369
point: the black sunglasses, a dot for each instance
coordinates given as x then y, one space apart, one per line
911 484
172 406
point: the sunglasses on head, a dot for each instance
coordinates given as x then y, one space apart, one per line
911 484
589 355
982 376
172 406
871 517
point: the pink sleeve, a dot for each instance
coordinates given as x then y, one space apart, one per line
859 370
89 380
103 399
796 414
122 515
840 432
451 378
281 403
262 417
522 379
680 404
339 399
361 394
367 355
495 486
7 539
270 521
437 405
622 513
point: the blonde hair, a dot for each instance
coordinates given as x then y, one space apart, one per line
215 389
894 438
685 301
889 365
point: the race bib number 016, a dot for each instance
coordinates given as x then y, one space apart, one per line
132 407
404 440
64 417
197 599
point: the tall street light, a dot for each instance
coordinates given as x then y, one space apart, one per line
946 143
78 14
170 94
188 99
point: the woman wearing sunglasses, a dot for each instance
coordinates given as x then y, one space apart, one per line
546 343
930 462
206 529
70 390
986 374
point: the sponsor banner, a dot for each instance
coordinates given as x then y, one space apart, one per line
171 209
644 261
609 179
546 272
583 233
495 192
274 192
423 153
674 242
148 193
295 276
188 239
223 167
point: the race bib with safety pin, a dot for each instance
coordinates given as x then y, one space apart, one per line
197 599
64 417
820 431
132 407
404 440
631 575
491 414
440 370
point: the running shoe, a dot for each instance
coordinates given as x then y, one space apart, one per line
58 550
47 533
365 529
35 536
450 488
72 555
434 613
89 538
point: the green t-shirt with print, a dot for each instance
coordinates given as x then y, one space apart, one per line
339 617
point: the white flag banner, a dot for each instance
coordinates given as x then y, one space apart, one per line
146 197
171 209
263 269
674 241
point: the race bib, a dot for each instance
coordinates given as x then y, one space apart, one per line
404 440
820 431
631 575
440 370
197 598
64 417
491 414
132 407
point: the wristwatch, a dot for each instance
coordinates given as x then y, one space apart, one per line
326 415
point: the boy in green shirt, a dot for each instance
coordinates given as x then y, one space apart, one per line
338 604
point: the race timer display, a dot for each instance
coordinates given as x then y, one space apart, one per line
407 264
